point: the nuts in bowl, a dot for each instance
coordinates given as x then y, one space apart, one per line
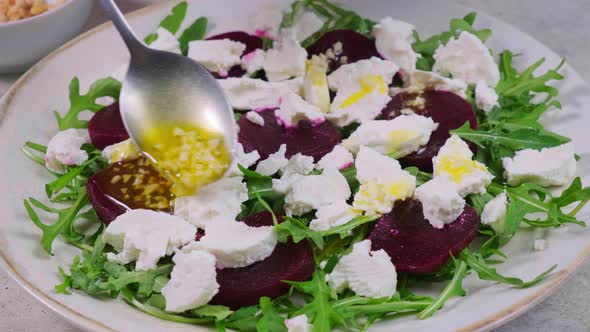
30 29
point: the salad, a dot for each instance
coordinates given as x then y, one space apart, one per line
370 161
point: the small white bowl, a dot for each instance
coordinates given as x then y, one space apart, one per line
24 42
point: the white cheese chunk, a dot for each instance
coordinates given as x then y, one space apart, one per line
339 158
122 151
252 94
306 24
333 215
285 60
235 244
383 182
421 80
222 198
400 136
242 158
315 83
494 213
274 162
467 58
145 236
306 193
353 105
298 324
549 167
351 74
252 62
166 41
441 202
367 273
64 149
294 109
394 39
485 97
193 281
255 118
454 160
298 164
218 56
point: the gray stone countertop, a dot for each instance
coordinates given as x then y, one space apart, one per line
562 25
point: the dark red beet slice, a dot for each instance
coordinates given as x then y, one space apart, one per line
106 127
449 110
252 43
415 246
245 286
355 47
315 141
133 184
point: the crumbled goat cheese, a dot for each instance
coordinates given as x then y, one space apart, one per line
294 109
166 41
220 199
333 215
485 97
400 136
422 80
252 62
394 39
315 84
339 158
549 167
64 149
235 244
218 56
274 162
467 58
193 281
122 151
351 74
494 213
298 324
298 164
454 160
306 193
145 236
242 158
249 94
383 182
367 273
441 202
285 60
255 118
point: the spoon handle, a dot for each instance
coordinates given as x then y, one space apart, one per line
113 11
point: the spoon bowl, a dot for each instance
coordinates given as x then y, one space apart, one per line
163 88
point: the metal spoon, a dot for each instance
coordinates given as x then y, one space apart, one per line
167 88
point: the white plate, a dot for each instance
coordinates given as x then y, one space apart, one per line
25 114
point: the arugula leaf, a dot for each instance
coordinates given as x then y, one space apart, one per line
219 312
195 31
428 47
346 229
243 319
318 310
106 87
513 84
149 39
28 149
173 21
453 288
485 272
296 230
271 320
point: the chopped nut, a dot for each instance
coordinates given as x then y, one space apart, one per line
14 10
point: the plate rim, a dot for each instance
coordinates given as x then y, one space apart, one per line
88 323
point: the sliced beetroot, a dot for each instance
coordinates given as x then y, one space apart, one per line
245 286
252 43
415 246
355 47
128 185
106 127
315 141
447 109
